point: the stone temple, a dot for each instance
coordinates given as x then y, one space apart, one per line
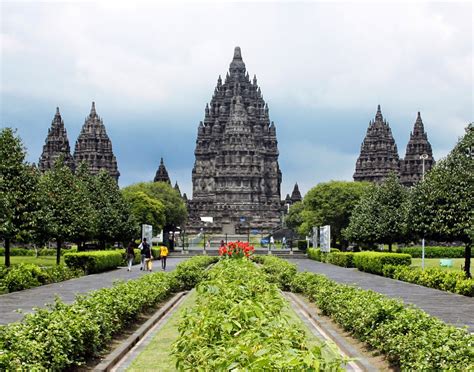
56 145
379 155
236 177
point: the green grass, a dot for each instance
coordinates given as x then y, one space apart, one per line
156 355
434 262
41 260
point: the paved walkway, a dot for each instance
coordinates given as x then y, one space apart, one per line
449 307
40 296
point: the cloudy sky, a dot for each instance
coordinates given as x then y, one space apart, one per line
322 67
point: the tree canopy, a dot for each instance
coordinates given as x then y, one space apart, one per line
145 209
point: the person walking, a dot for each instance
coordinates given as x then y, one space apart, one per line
163 256
143 248
283 243
272 243
130 255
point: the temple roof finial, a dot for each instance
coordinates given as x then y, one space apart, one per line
378 115
93 112
57 111
237 54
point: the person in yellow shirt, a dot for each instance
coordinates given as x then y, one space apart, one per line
163 255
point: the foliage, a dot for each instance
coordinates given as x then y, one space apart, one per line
64 336
175 209
303 245
18 196
317 255
434 252
442 206
31 252
380 215
373 262
279 271
344 259
294 218
451 281
145 209
239 323
236 250
25 276
94 261
331 203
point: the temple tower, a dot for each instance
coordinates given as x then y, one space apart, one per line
412 165
236 177
378 153
296 195
94 146
162 174
56 144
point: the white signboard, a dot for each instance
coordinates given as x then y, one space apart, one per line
147 232
325 238
314 237
207 219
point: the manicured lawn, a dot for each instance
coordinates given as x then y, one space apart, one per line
41 260
434 262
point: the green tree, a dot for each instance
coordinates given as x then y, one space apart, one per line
145 209
18 196
294 219
65 206
442 206
331 203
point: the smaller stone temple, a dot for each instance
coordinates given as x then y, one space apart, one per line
94 146
56 144
411 167
378 152
162 174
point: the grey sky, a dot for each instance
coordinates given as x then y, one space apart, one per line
322 68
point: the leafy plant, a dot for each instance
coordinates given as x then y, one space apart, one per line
373 262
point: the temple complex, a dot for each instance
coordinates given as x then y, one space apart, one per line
56 145
94 147
162 174
236 177
379 155
411 167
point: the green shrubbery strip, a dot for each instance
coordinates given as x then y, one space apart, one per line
94 261
451 281
434 252
66 335
239 323
344 259
317 255
409 337
31 252
373 262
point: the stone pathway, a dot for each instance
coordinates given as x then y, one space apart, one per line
451 308
40 296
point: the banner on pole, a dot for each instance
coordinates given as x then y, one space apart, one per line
325 238
147 232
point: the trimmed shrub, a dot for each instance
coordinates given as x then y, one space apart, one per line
451 281
434 252
94 261
279 271
344 259
63 336
373 262
317 255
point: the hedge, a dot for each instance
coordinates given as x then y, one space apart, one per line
344 259
373 262
64 336
94 261
434 252
23 276
451 281
279 272
410 338
317 255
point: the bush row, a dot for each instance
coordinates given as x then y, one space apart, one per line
239 323
410 338
344 259
64 336
31 252
373 262
317 255
434 252
23 276
94 261
451 281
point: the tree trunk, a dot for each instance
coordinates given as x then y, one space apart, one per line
58 251
467 259
389 247
7 252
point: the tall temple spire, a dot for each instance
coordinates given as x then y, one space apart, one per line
296 195
412 165
176 187
93 146
56 145
162 174
379 154
236 174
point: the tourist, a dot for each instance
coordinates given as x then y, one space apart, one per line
130 255
208 244
272 243
143 247
163 255
283 243
222 244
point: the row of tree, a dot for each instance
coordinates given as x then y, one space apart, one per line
440 207
67 206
